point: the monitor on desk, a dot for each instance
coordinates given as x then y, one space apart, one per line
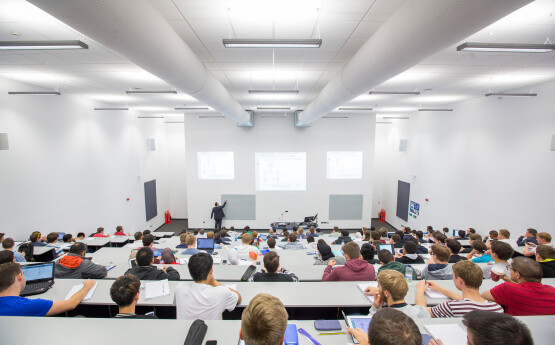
205 244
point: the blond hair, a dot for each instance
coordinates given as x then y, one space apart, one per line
190 239
210 234
264 320
469 272
183 237
442 252
247 238
545 236
505 233
394 282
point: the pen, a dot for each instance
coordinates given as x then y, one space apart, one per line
331 333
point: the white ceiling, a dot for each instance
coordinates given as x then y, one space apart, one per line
444 78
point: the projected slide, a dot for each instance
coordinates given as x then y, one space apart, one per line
344 165
215 166
280 170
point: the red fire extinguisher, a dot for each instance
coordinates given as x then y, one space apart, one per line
381 215
168 217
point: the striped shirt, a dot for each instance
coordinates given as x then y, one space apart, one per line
460 308
526 298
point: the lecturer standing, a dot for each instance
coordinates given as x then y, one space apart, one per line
218 214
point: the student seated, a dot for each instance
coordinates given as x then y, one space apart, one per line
224 237
125 293
145 269
528 237
36 240
325 254
74 265
183 241
395 240
300 234
271 243
206 299
467 277
388 327
8 244
80 236
523 293
387 260
409 256
439 238
68 238
383 235
201 234
438 267
52 241
168 257
545 255
391 291
6 256
312 232
479 252
100 233
120 231
12 282
263 321
272 271
501 253
310 244
335 232
211 234
483 328
367 252
492 236
191 242
505 236
543 238
420 249
245 251
471 239
293 244
355 268
344 238
455 247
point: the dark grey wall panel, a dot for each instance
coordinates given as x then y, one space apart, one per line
151 207
345 207
403 196
239 206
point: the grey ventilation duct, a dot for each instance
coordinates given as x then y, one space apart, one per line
417 30
137 31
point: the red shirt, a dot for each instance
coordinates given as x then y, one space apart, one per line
99 235
120 234
526 298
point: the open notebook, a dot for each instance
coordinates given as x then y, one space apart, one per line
449 334
363 286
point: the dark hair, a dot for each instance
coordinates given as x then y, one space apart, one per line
81 234
8 243
454 245
271 262
146 232
35 236
396 238
292 237
272 242
309 239
144 256
544 251
52 237
99 230
344 232
119 228
419 234
485 327
479 246
475 237
148 239
138 235
445 229
493 234
8 272
440 237
2 236
393 327
352 249
216 203
442 252
367 251
462 233
385 256
530 230
406 229
430 228
410 247
375 235
472 231
528 269
124 289
6 256
503 250
200 265
67 237
78 248
325 250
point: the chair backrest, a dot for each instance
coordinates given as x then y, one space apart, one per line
27 250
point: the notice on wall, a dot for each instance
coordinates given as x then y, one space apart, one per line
414 209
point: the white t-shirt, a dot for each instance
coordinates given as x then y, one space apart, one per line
243 251
509 241
202 301
533 249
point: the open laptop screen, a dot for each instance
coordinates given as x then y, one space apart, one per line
38 272
205 243
61 235
389 247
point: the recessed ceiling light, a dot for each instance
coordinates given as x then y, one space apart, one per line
192 108
384 122
137 92
506 47
394 93
273 108
34 93
209 116
336 117
273 91
272 43
396 118
150 117
42 45
354 108
280 116
435 109
111 108
502 94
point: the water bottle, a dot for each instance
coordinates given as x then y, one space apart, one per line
408 273
342 243
235 237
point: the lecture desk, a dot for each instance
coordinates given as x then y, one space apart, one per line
15 330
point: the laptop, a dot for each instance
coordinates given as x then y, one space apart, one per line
132 263
39 278
357 321
206 244
61 235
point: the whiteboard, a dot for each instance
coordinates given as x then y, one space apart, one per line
239 206
345 207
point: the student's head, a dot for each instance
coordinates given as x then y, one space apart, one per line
487 328
344 232
441 253
10 274
190 240
479 246
182 237
6 256
35 236
292 238
502 250
409 247
383 232
67 238
493 234
524 269
81 235
309 239
210 234
543 252
453 245
392 284
2 237
351 250
406 230
543 238
200 266
430 228
148 240
311 230
367 251
374 235
183 231
272 242
531 232
285 233
271 262
461 233
8 243
78 248
201 231
419 235
440 237
125 290
52 237
335 229
119 228
471 231
223 233
504 234
474 237
467 273
324 249
247 239
144 257
167 256
396 238
300 231
146 232
263 321
393 327
100 230
445 230
385 256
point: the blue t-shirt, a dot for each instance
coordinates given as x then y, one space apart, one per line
21 306
483 258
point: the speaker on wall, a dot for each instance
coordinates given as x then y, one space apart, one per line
402 145
151 142
4 141
552 143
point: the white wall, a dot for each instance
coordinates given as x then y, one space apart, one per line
70 168
278 135
175 136
487 165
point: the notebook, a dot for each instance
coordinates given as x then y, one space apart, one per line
450 334
434 294
363 286
76 289
157 289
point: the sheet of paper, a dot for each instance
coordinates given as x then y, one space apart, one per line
434 294
157 289
183 261
217 260
363 286
232 286
450 334
76 288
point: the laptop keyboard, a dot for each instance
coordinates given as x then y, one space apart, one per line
38 287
